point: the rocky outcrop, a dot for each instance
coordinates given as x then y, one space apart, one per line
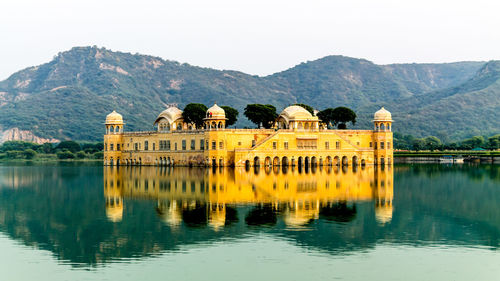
23 135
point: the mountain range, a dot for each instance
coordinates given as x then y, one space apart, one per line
69 97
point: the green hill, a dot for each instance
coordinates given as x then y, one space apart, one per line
69 97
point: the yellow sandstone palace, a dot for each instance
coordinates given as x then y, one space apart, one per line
297 139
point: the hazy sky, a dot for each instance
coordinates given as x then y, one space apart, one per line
257 37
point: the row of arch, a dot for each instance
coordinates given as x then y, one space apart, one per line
214 125
268 161
114 129
164 161
127 162
306 161
383 127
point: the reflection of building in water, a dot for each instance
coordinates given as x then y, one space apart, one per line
113 196
209 196
298 138
383 197
170 212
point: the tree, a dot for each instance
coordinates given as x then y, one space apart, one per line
29 153
18 146
432 143
418 144
326 116
14 154
342 115
474 142
92 147
65 155
195 113
261 114
46 148
69 145
80 155
339 116
306 107
99 155
494 142
231 115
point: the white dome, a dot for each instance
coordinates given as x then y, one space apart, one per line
296 112
171 114
114 118
216 112
382 115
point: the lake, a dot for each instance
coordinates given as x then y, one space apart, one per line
72 221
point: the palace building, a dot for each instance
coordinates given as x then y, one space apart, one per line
297 139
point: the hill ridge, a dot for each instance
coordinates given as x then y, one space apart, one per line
69 96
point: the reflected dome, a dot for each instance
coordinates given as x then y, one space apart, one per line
114 213
170 214
217 217
383 214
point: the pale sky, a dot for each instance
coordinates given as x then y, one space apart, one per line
257 37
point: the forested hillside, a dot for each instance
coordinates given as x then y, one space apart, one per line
69 97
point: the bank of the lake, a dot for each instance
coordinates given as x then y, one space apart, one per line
435 156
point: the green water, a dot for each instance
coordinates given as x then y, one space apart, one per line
408 222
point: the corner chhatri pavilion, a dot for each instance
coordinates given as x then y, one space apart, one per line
297 139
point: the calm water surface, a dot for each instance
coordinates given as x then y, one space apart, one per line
408 222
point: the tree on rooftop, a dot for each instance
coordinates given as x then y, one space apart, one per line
195 113
231 115
261 114
339 116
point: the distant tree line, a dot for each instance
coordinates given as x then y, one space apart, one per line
409 142
62 150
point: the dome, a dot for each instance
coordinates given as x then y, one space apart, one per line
216 112
217 220
383 214
114 213
171 214
296 112
114 118
171 114
382 115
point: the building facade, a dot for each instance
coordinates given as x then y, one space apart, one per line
297 139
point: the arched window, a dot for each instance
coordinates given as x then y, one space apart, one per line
382 127
111 129
388 127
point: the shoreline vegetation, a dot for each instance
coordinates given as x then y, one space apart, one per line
455 153
433 143
64 151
